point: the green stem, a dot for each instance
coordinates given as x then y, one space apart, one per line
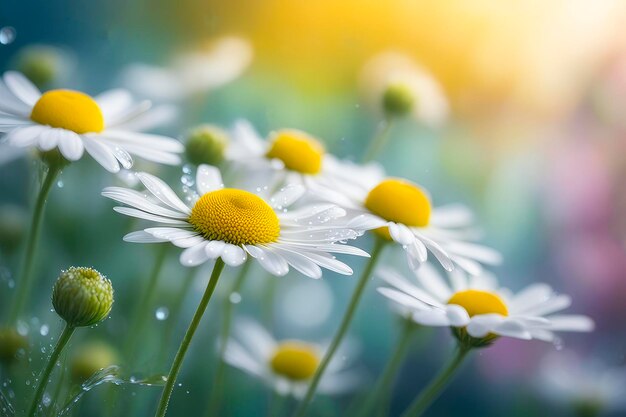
343 328
184 344
25 283
379 141
60 383
385 382
52 361
436 386
175 311
218 378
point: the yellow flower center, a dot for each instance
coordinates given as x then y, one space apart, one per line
398 201
235 216
477 302
71 110
298 151
295 360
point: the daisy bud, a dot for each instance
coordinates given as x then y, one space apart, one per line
13 225
11 342
91 358
42 64
205 144
82 296
398 100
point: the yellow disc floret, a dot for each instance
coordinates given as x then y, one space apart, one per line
399 201
235 216
295 360
477 302
71 110
297 150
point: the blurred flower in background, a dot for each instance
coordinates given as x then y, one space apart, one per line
209 66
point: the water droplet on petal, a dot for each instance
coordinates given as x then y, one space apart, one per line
162 313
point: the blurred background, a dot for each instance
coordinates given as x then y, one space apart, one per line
533 139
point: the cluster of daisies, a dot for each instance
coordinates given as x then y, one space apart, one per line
286 203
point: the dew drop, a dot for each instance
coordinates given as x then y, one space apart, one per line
44 330
234 298
7 35
162 313
60 183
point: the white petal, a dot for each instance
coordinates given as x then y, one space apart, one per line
171 233
215 248
476 252
398 281
432 317
208 178
194 255
138 200
301 263
270 261
21 87
287 196
457 315
402 298
401 234
102 154
113 102
142 237
255 338
483 324
554 304
366 222
512 328
160 157
25 136
71 145
233 255
451 216
49 139
133 212
433 282
162 191
571 323
438 251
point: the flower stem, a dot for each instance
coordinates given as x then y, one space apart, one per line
184 344
25 283
52 361
218 378
343 328
378 396
436 386
379 141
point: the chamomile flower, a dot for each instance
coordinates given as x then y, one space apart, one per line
587 386
231 224
397 85
478 310
194 72
286 365
107 126
401 211
290 156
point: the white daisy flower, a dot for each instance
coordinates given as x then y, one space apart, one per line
588 386
231 224
394 83
194 72
287 365
477 307
107 126
399 210
290 156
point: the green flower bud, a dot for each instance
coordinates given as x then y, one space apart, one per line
398 100
206 144
13 225
90 358
82 296
42 64
11 342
